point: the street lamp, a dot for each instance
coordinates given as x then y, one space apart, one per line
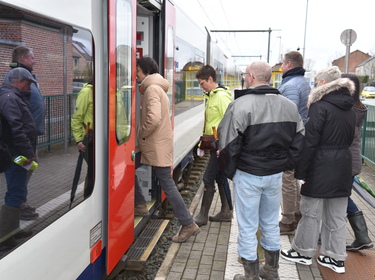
280 51
304 40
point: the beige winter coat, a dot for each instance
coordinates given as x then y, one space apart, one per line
155 137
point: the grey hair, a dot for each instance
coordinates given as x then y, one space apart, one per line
329 74
261 70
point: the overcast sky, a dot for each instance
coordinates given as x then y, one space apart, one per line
326 20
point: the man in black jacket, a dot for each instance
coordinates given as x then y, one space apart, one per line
20 136
326 168
261 135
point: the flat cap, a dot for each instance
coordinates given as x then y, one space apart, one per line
21 73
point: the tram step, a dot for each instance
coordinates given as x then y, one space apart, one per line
141 249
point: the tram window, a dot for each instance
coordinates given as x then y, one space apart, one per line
123 73
170 63
64 65
188 92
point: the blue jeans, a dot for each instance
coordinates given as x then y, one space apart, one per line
16 177
257 201
352 207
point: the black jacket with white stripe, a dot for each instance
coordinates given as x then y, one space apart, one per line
261 133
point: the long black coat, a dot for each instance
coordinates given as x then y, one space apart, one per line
326 163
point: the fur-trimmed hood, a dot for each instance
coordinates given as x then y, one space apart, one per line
341 86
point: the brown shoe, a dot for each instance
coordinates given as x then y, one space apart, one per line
141 210
287 228
25 205
185 232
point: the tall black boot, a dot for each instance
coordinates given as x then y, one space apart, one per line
225 215
251 270
10 217
9 227
202 218
362 240
269 271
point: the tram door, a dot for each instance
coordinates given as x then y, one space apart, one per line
121 129
134 30
155 38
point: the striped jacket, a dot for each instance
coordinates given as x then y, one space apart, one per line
261 133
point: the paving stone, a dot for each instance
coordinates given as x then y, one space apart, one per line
178 267
189 274
192 263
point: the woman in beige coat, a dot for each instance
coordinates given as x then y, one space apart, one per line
155 140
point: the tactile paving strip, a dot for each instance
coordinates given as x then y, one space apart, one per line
358 266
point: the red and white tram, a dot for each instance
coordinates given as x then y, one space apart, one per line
74 42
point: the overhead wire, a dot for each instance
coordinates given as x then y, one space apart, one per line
230 27
213 25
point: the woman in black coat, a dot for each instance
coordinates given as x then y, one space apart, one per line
326 168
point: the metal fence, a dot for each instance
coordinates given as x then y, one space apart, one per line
58 128
59 109
368 135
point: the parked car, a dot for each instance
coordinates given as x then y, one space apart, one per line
368 92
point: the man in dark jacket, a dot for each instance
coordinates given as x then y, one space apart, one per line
20 136
24 57
326 168
261 135
294 87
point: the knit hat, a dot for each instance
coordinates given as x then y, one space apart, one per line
21 73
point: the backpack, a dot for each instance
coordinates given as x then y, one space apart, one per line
5 157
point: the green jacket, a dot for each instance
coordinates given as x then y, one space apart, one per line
216 104
83 113
122 115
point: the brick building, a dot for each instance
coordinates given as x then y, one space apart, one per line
51 43
355 58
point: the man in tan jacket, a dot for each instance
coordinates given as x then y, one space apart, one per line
155 140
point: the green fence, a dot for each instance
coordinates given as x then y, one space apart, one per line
59 109
368 135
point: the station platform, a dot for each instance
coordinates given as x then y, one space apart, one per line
212 254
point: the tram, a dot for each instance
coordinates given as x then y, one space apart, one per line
79 41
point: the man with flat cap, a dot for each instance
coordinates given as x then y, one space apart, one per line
19 133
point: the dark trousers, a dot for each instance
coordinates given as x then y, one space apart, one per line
173 195
138 195
213 173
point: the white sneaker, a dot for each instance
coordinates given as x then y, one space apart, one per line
294 256
336 266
